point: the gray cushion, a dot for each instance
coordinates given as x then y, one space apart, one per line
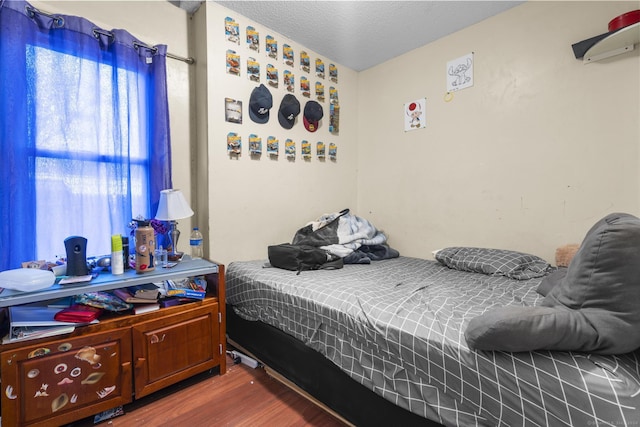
594 308
530 328
516 265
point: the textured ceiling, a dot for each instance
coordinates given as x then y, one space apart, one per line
362 34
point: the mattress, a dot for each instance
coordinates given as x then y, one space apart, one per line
397 327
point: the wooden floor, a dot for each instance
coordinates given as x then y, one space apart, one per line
241 397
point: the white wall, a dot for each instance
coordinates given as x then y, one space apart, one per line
528 158
256 202
152 22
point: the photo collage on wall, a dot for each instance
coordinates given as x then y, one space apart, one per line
295 95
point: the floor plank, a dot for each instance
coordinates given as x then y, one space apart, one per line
242 397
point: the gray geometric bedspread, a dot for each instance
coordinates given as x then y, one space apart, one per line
397 327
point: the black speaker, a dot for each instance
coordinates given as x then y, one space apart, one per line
76 247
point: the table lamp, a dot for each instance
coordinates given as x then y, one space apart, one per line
173 206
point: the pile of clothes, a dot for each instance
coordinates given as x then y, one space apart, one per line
347 236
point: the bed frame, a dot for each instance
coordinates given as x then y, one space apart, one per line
316 376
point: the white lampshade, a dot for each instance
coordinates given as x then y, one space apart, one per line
173 206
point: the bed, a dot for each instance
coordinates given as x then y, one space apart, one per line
384 344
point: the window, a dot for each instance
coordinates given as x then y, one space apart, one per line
85 142
86 163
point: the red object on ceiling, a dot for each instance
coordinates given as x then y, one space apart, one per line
624 20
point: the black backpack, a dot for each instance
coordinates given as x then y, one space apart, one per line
302 257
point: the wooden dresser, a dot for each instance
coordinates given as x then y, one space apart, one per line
57 380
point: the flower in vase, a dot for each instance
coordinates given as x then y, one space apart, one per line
159 227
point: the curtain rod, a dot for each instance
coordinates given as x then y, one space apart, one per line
60 20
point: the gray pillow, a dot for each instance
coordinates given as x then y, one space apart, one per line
512 264
603 283
594 308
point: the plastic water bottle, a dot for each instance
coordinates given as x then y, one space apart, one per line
196 243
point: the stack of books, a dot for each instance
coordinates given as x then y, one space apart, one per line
143 297
30 322
152 296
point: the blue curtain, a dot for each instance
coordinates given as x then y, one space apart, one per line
84 132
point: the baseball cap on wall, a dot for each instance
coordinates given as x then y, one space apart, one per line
312 115
289 110
259 104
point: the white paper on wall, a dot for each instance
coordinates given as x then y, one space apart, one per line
460 73
415 114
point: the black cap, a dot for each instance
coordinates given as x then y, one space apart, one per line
289 110
259 104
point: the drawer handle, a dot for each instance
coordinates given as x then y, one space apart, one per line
155 339
139 364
